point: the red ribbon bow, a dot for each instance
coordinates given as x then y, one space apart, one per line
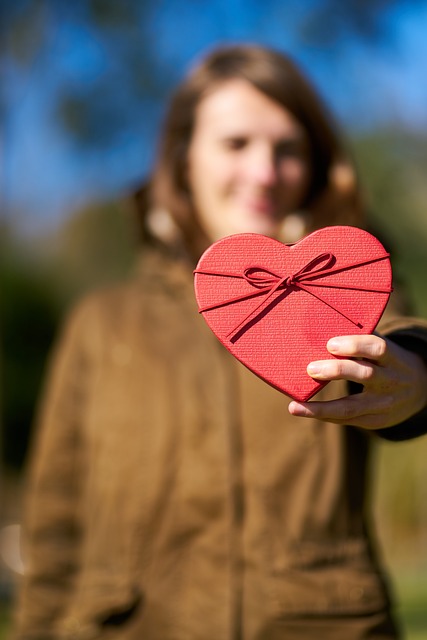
267 283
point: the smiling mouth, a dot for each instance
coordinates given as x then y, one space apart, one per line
265 207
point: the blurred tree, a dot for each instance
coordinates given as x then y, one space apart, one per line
29 316
37 282
22 29
97 112
392 165
329 20
91 248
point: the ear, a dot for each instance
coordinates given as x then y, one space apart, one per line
162 225
294 227
341 201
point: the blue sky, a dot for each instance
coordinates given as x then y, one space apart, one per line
46 174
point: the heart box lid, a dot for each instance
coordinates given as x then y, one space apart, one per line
275 306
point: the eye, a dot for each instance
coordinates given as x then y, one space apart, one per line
291 149
234 143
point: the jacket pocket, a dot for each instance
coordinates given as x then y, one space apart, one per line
324 578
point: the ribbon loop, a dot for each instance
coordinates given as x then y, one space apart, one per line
267 283
323 261
252 275
261 278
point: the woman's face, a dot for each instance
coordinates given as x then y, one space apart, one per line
248 162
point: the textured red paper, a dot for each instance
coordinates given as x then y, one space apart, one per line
275 306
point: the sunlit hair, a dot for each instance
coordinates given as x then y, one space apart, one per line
333 196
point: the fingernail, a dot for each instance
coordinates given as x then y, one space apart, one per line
313 368
297 409
333 344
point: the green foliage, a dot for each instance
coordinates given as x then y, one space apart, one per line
4 622
23 30
30 314
92 248
38 282
110 13
392 166
411 592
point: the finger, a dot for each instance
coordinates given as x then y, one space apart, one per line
357 371
367 346
356 409
365 421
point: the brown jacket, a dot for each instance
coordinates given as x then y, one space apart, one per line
173 497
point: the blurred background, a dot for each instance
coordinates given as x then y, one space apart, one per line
82 94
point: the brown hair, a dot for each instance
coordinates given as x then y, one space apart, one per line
333 196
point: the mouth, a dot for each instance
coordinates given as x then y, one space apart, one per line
261 205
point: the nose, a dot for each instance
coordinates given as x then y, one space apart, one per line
262 165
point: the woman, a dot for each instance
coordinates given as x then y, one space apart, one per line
173 494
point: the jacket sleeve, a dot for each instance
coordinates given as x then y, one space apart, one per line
411 334
52 529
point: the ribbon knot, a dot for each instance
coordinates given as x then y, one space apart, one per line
267 282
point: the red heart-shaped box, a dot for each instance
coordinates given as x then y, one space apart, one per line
275 306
